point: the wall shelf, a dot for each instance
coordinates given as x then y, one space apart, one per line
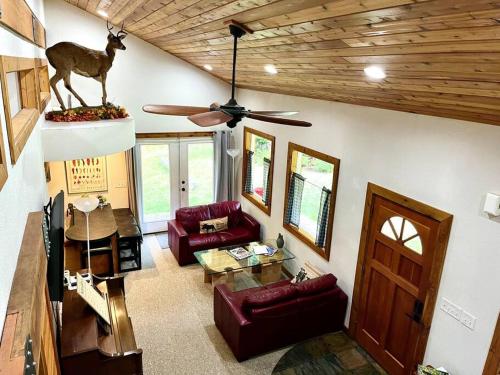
76 140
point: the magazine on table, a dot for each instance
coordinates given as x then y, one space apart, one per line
264 250
239 253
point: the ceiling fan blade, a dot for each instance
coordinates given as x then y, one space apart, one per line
210 118
278 120
275 113
174 110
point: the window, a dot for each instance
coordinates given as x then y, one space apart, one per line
42 71
311 189
404 232
19 85
258 166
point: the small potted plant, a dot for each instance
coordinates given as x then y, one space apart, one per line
102 201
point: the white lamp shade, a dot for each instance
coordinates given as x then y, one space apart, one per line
86 204
233 152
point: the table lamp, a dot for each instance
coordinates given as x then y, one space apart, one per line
87 205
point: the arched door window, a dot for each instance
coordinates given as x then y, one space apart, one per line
403 231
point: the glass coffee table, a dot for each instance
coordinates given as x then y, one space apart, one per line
220 267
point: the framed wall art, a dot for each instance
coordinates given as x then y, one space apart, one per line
86 175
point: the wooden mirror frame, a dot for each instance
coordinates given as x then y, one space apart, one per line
20 126
247 133
300 234
3 161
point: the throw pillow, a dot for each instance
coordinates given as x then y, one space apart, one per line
214 225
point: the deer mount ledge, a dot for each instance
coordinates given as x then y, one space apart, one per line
76 140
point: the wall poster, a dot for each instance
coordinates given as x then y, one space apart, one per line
86 175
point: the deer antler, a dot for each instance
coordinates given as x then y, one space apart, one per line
121 30
107 25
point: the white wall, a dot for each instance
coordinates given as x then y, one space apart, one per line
25 189
445 163
142 74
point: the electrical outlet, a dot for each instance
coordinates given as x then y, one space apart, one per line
120 184
451 309
468 320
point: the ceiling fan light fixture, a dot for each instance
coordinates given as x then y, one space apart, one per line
208 67
271 69
102 13
375 72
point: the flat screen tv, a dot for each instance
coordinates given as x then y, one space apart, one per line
55 266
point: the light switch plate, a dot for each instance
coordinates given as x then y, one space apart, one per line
468 320
451 309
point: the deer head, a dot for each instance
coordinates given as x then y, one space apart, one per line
115 41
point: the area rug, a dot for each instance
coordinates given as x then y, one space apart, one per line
146 257
333 353
162 240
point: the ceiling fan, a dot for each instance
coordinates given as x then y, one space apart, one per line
231 112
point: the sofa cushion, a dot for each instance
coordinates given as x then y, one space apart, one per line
267 297
317 285
236 236
203 241
190 217
231 209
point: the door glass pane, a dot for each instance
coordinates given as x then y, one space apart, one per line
155 177
408 231
388 231
201 173
414 244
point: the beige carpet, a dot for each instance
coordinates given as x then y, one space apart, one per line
172 314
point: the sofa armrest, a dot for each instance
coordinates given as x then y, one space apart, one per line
222 299
231 322
177 228
249 222
177 240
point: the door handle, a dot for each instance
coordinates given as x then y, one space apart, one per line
183 182
183 189
418 308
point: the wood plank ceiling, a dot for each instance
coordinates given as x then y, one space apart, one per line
441 57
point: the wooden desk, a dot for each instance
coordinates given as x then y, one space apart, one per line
102 225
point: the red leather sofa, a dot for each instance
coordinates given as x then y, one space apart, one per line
257 320
184 236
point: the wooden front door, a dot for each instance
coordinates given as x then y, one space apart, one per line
396 283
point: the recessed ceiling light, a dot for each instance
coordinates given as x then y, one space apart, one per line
102 13
208 67
271 69
375 72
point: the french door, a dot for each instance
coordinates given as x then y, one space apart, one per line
172 173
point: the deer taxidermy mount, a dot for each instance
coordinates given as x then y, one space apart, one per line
231 112
67 57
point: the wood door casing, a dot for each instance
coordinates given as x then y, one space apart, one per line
391 278
492 365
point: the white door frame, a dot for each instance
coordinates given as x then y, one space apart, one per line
178 159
